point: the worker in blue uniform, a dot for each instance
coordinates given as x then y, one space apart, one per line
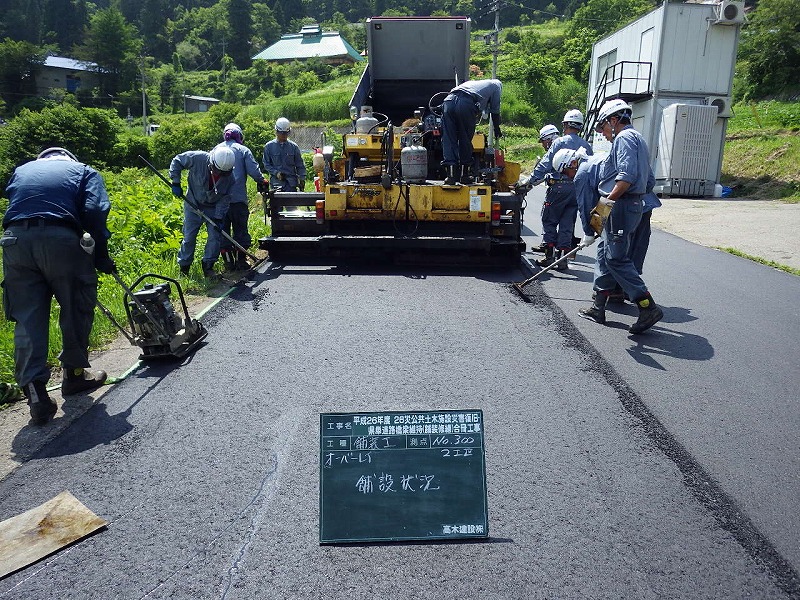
283 160
624 181
236 218
53 201
460 111
208 191
560 205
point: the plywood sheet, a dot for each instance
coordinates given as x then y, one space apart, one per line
34 534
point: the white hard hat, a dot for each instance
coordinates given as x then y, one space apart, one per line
611 108
57 153
573 118
222 158
233 132
566 156
547 132
283 125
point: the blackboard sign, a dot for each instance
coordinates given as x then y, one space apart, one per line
394 476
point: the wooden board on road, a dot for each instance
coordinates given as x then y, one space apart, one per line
36 533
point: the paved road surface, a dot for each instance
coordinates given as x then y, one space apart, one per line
663 467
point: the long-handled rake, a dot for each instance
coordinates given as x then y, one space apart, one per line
520 285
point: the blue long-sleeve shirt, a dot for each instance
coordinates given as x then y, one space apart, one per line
485 91
284 157
202 190
244 164
586 181
629 161
571 141
60 190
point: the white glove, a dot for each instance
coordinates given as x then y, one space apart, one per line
588 240
606 201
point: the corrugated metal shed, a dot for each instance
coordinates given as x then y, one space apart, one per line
61 62
310 42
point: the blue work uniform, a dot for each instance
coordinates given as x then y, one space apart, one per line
640 241
239 210
460 111
284 157
211 197
560 205
52 202
629 160
586 180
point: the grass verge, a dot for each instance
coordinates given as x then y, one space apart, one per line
763 261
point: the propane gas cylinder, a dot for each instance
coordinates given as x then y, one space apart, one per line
414 163
366 121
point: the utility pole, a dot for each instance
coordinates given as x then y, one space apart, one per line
144 101
496 39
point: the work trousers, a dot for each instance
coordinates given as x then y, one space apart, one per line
458 128
191 227
640 241
559 212
42 261
236 219
614 265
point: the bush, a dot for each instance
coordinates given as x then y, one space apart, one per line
90 133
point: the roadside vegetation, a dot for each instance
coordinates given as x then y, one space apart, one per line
543 63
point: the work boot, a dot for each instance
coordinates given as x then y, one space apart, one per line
228 259
208 270
540 248
41 405
616 297
548 257
185 269
649 314
562 266
466 176
81 380
597 311
241 261
450 178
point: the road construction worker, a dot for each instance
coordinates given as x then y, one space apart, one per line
460 111
53 201
209 192
283 160
560 206
547 135
625 178
236 218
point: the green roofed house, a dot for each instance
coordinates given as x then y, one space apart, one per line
311 41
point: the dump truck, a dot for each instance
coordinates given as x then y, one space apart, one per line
384 194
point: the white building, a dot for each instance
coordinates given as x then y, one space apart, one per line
678 54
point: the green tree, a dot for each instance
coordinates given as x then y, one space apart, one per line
64 22
113 44
592 21
21 20
769 49
19 63
241 28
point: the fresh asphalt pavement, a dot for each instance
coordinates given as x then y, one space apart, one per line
655 466
719 374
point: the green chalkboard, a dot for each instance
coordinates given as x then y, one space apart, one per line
394 476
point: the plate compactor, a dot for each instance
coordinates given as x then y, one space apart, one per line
156 327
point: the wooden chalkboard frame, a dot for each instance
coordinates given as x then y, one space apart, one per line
402 475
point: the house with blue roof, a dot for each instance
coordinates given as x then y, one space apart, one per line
60 72
311 41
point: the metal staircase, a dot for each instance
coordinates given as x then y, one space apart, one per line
626 80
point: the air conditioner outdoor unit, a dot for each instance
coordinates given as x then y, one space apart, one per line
729 12
722 103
